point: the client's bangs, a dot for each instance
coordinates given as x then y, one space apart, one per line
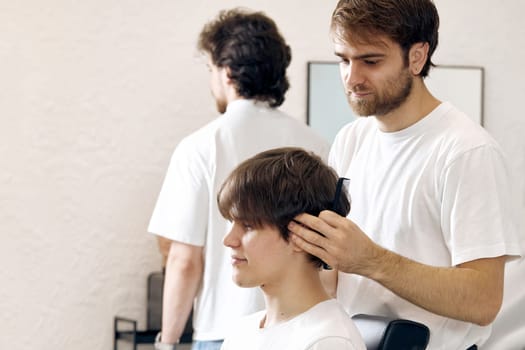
238 200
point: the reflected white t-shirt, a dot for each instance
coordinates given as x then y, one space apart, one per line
186 210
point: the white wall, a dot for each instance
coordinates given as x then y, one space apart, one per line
94 95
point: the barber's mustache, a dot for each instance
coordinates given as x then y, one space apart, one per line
360 88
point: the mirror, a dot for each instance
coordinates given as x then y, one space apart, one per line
328 109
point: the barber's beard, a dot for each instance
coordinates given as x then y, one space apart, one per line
378 103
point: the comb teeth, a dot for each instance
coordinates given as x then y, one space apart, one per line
342 184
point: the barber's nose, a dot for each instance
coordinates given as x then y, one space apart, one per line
351 75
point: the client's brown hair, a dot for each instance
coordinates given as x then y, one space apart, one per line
274 186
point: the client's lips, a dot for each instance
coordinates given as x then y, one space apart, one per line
236 260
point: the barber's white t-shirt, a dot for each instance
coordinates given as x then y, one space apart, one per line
436 192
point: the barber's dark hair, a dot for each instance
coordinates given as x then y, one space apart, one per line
406 22
250 45
274 186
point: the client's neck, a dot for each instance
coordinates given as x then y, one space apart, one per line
299 291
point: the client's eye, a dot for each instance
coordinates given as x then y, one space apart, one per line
247 226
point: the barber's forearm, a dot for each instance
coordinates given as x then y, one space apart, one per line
180 287
471 292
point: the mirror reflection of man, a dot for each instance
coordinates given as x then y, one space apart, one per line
247 58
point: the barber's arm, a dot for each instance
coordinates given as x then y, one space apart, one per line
470 292
183 274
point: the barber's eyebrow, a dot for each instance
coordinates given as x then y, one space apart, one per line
362 56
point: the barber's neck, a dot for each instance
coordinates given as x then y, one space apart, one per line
418 105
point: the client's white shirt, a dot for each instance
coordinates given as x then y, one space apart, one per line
325 326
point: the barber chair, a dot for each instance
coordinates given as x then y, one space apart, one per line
383 333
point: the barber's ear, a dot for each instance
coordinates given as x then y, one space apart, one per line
417 56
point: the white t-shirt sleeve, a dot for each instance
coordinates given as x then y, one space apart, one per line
478 217
182 208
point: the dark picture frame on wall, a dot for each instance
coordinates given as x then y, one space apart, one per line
328 109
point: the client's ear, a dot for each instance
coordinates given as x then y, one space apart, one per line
295 247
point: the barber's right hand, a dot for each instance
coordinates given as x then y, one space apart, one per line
336 240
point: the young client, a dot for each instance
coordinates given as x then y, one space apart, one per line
260 197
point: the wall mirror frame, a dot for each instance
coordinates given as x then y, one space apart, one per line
328 109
